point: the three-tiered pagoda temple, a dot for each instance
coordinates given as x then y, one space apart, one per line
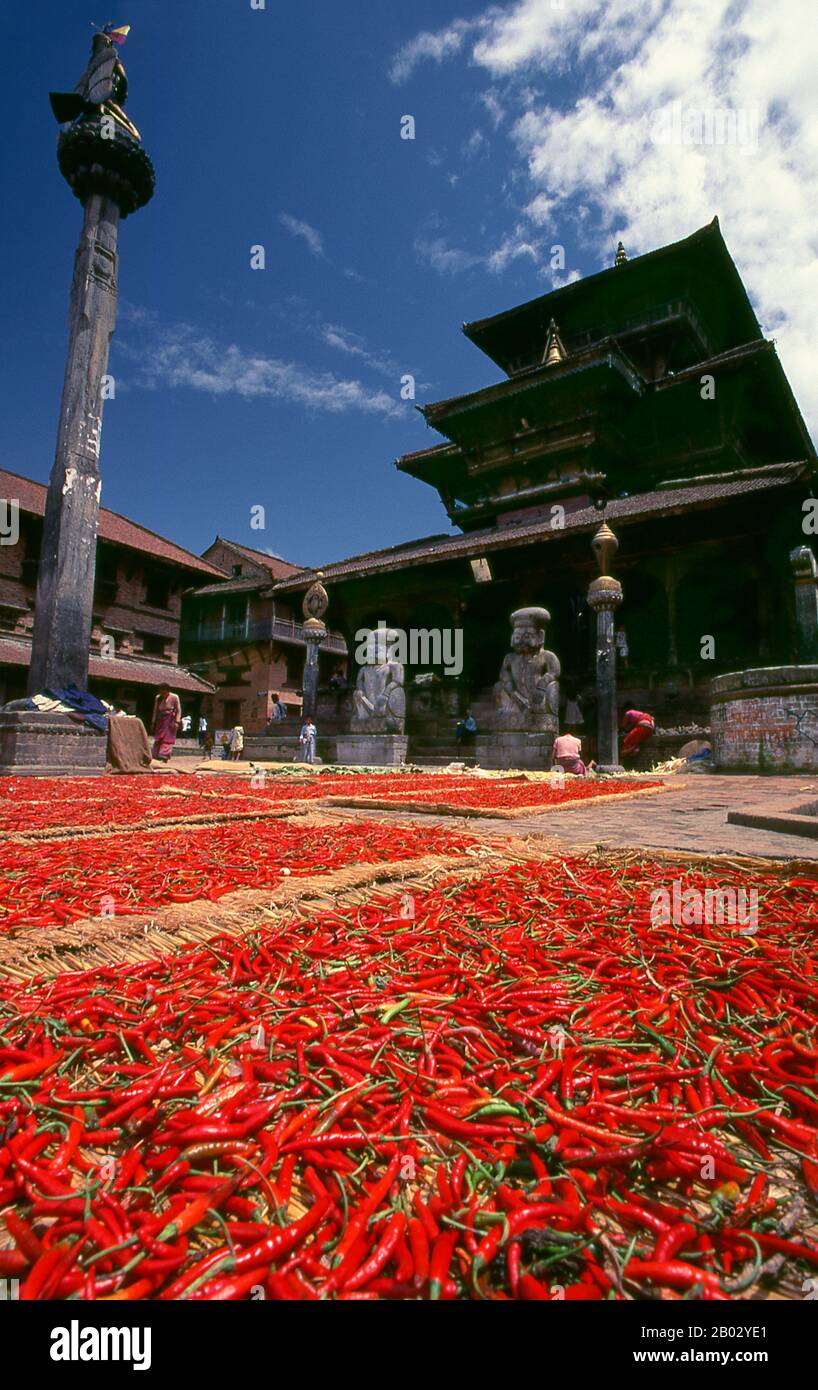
647 391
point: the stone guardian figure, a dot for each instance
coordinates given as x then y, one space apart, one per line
379 699
527 693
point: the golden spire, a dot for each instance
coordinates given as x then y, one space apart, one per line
621 255
554 347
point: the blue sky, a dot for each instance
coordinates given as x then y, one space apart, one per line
281 127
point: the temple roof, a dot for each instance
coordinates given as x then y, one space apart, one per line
659 503
695 278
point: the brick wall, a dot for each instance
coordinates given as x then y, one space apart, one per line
769 727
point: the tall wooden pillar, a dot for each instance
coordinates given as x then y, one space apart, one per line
65 581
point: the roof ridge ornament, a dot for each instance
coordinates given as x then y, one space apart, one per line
621 255
554 347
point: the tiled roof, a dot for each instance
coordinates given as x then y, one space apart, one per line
129 670
662 502
234 586
112 527
279 569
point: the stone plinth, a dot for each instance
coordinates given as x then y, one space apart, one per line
765 720
531 752
49 745
372 750
284 748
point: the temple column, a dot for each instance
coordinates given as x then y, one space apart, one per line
315 604
805 574
604 597
671 585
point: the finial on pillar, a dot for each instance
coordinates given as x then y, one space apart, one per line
315 603
621 255
604 546
554 347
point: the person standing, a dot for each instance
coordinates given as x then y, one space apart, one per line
202 730
186 726
307 739
279 711
167 714
236 742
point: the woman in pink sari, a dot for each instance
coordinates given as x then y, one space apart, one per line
167 714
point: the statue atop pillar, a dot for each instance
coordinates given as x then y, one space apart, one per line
379 699
527 694
103 87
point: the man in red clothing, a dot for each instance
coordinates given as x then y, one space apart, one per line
638 726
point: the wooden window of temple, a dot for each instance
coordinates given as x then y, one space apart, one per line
235 617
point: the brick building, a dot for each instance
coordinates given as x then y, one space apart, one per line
140 579
247 643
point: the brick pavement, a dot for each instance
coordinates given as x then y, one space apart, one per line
691 815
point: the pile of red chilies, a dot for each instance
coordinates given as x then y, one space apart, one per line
59 881
524 1090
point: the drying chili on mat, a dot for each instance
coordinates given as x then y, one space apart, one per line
60 880
486 796
520 1086
46 803
53 803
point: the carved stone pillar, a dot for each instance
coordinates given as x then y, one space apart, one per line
805 574
604 597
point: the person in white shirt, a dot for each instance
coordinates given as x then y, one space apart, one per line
307 739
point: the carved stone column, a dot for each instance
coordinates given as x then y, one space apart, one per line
805 574
314 606
604 597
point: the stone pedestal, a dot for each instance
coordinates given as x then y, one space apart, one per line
372 750
507 749
286 748
49 745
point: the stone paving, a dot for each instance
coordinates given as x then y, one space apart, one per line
691 815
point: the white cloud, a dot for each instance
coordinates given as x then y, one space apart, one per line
596 170
309 234
438 47
477 144
447 260
177 356
436 252
511 248
493 106
344 340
